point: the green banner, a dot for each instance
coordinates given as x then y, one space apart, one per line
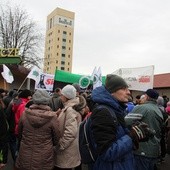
67 77
10 60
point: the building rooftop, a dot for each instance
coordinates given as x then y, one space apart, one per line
161 80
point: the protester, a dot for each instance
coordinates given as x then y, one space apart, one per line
38 133
55 101
24 96
87 111
137 101
18 109
130 104
168 136
166 100
168 127
142 99
114 142
148 153
3 134
67 153
77 87
7 99
11 121
168 108
160 103
2 93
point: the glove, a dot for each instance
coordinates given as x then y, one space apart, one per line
140 132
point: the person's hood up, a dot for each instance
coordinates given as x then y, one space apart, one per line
102 96
39 115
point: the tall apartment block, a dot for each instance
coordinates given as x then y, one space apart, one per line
59 41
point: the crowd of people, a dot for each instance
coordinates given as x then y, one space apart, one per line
42 131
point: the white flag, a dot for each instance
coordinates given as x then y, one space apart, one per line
7 75
34 73
93 73
97 81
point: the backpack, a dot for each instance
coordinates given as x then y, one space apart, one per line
87 146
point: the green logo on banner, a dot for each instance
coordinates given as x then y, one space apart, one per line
84 82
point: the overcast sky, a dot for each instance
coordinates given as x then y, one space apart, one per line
112 34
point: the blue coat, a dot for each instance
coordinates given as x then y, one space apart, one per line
113 142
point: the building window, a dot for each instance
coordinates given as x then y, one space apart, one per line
57 54
62 68
68 63
63 47
58 39
64 40
64 32
58 31
69 56
62 62
69 41
69 48
57 46
70 33
68 69
51 23
63 55
56 61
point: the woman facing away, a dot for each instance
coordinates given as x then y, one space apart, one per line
38 134
67 154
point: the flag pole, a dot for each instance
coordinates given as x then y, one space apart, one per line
22 84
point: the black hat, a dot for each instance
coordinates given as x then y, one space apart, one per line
152 93
25 93
114 83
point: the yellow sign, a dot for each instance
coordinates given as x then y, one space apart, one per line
9 52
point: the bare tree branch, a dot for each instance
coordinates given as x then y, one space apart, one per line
18 31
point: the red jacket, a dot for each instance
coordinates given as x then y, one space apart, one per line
18 109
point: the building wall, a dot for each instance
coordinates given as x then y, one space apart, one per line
59 41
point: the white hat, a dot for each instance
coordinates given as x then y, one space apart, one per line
69 91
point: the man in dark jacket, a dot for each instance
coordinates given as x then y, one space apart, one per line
114 142
55 101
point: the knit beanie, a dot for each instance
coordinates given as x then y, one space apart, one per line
152 93
114 83
69 91
41 97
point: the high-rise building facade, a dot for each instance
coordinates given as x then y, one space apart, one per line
59 41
